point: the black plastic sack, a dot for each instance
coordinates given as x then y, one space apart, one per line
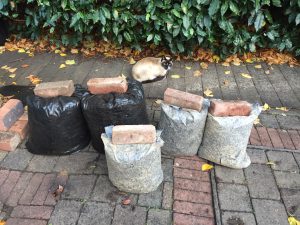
114 109
57 125
17 91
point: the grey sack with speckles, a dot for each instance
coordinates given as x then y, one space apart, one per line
225 139
182 129
134 168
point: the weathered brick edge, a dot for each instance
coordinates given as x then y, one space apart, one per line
275 138
192 193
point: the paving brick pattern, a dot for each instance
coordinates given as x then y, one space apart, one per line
261 194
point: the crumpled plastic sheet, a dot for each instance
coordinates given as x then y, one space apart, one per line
182 129
225 139
134 168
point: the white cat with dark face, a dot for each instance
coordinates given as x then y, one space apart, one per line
151 69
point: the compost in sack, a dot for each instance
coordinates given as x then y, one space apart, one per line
57 125
225 139
134 168
182 129
114 109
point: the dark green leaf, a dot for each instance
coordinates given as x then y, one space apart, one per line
276 3
224 8
186 21
234 8
297 20
127 36
150 36
259 21
213 7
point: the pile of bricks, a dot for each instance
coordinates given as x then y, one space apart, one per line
13 125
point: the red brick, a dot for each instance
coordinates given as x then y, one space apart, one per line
24 116
61 179
182 219
188 164
3 176
17 221
183 99
193 185
8 185
10 112
229 108
192 196
295 138
43 190
254 138
274 136
264 136
54 89
286 140
191 174
32 212
19 188
9 141
31 189
133 134
193 209
107 85
21 128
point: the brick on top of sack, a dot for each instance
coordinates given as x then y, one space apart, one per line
183 99
229 108
107 85
54 89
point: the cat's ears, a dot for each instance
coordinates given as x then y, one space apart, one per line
164 58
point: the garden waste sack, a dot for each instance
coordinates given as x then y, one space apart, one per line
57 125
103 110
225 139
134 168
182 129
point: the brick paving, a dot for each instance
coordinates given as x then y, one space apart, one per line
264 193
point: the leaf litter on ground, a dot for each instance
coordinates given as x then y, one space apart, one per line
206 167
208 93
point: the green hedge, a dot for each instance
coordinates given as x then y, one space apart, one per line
224 26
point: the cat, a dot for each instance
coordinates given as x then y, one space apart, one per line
151 69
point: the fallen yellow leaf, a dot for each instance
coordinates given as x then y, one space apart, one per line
249 60
293 221
34 79
131 61
256 121
246 75
158 101
2 222
204 65
12 75
62 66
216 58
5 67
197 73
227 72
12 70
206 167
74 51
175 76
21 50
266 107
70 62
282 108
257 66
208 93
30 54
123 76
236 63
291 65
225 64
188 67
25 66
267 72
57 51
63 54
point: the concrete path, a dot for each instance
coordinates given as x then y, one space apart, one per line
267 192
